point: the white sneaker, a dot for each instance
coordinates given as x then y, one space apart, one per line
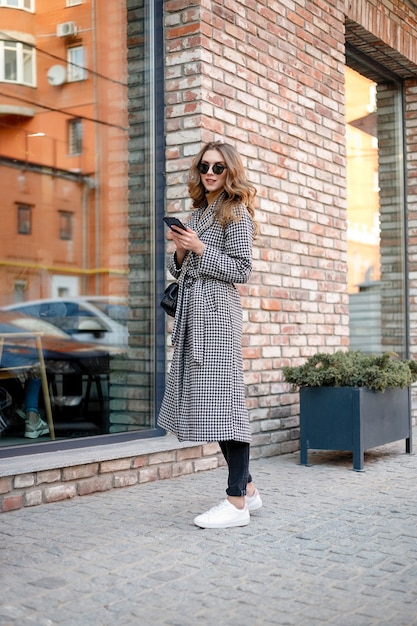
224 515
33 431
254 502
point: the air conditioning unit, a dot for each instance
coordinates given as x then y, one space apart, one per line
66 29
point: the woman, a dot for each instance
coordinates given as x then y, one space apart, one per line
205 396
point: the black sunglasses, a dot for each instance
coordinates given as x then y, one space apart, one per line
217 168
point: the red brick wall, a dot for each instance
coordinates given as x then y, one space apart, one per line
270 81
392 21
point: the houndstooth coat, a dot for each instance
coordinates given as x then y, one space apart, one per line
204 398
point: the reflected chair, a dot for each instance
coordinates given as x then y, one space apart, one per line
7 371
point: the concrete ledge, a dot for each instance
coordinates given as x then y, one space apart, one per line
32 480
81 456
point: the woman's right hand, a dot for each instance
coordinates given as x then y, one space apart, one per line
187 240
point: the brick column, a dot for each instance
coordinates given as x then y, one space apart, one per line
270 80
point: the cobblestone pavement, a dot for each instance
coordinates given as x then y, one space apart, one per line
330 546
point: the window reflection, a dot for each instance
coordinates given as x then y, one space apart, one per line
65 225
75 137
18 62
64 268
76 64
376 274
24 219
362 181
19 4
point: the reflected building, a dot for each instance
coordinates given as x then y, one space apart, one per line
63 144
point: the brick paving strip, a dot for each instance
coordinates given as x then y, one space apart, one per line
330 546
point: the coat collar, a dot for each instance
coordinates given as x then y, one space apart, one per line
207 212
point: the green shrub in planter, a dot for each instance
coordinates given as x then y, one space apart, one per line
353 401
353 369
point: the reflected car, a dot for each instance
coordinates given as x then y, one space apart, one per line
71 366
94 319
56 344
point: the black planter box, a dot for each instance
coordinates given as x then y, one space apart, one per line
353 418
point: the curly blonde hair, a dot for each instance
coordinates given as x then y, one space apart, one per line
238 191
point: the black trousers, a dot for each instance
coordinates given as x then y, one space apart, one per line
236 454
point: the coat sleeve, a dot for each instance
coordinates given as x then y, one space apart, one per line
173 268
233 263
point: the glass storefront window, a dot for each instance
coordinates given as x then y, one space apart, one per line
376 248
76 246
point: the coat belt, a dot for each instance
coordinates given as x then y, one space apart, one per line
196 309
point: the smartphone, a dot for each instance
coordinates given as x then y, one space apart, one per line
174 221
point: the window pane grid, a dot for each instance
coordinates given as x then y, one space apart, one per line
75 132
76 69
27 65
24 219
17 63
26 5
65 225
10 65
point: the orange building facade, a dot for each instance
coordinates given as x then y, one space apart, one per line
63 144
